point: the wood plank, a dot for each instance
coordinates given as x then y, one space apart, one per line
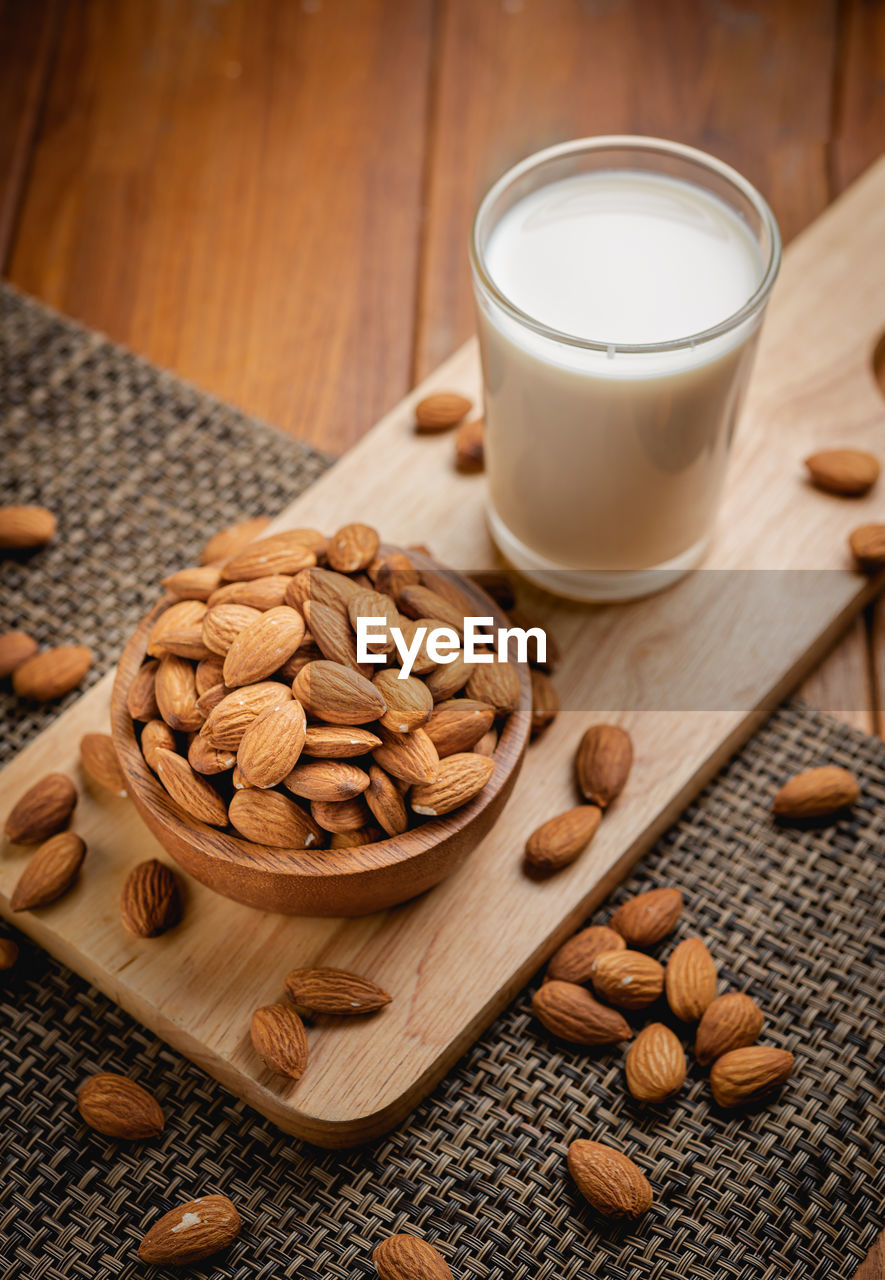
233 190
843 683
27 31
512 78
775 530
873 1265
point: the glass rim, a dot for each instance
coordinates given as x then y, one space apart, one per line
628 142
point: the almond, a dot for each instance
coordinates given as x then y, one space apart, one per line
326 780
272 744
208 673
50 872
190 1232
330 692
266 817
98 757
24 527
732 1021
52 673
558 841
386 803
391 571
649 917
206 759
141 700
574 960
156 736
351 839
150 902
190 790
691 980
411 757
868 546
603 763
374 604
333 741
421 602
628 979
545 702
460 778
229 720
196 583
279 553
422 663
176 693
850 472
256 593
279 1039
570 1012
609 1180
352 548
441 410
408 701
15 648
655 1065
8 954
263 646
340 815
44 809
334 991
488 744
321 586
497 684
119 1108
178 629
223 623
449 678
745 1075
816 793
458 725
238 782
234 539
331 630
404 1257
470 447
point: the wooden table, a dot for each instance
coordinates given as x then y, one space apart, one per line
272 197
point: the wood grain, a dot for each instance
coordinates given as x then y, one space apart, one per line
234 191
775 528
873 1266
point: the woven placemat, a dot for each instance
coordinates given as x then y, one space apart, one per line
793 1189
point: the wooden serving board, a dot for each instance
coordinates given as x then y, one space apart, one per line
454 958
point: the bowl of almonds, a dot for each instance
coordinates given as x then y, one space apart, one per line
301 728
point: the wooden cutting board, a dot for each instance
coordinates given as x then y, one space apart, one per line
691 673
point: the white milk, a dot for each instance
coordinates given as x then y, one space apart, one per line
611 460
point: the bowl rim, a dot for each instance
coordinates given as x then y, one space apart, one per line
219 845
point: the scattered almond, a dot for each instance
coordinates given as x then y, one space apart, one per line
404 1257
644 920
470 447
50 872
816 793
52 673
574 960
603 763
628 979
279 1039
334 991
8 954
15 648
98 757
44 809
570 1012
545 701
655 1065
610 1181
23 527
441 410
119 1108
192 1231
732 1021
690 980
868 547
150 903
849 472
558 841
745 1075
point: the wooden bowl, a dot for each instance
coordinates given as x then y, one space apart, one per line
323 882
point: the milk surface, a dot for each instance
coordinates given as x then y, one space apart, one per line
613 460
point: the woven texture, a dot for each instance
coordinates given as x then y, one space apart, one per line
793 1189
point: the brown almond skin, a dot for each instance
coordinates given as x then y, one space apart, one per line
732 1021
441 410
603 763
279 1039
411 757
655 1065
816 793
15 648
574 960
628 979
610 1181
404 1257
141 700
458 724
337 695
24 527
233 539
386 802
8 954
119 1108
263 646
470 447
341 815
545 702
44 809
868 547
690 980
335 991
745 1075
191 791
326 780
267 817
496 684
50 873
644 920
204 1226
156 736
98 758
570 1012
352 548
461 777
848 472
150 902
52 673
271 746
559 841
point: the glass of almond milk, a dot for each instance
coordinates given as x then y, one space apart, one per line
620 286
